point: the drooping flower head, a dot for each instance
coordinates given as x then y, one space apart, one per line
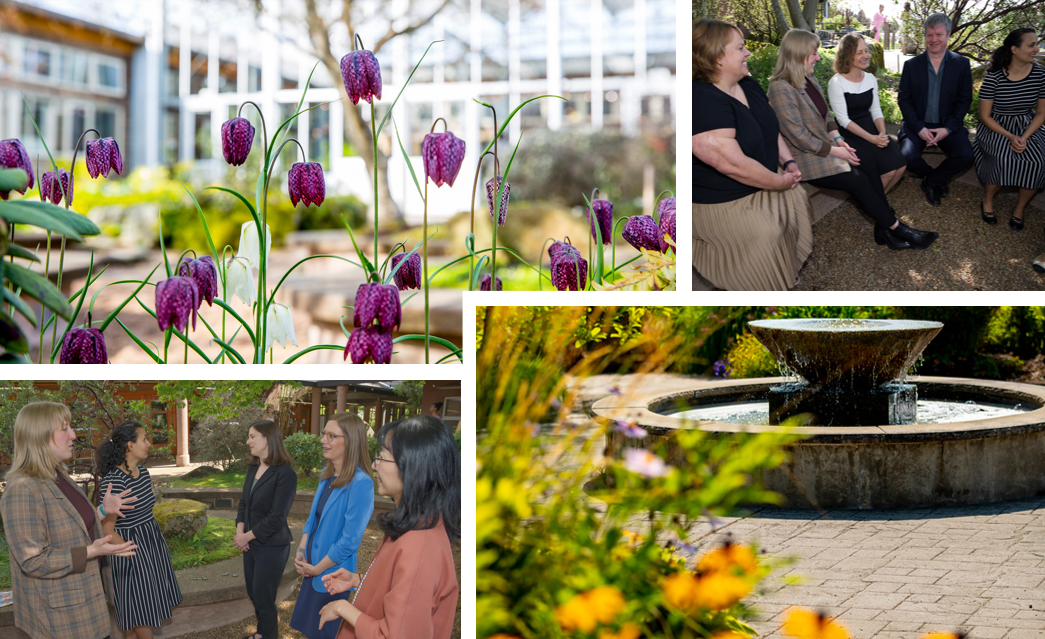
409 274
604 216
559 247
50 189
306 183
362 76
237 135
484 283
569 270
102 156
249 248
204 272
377 302
239 279
280 326
641 232
177 298
443 154
83 346
667 222
491 198
369 343
14 156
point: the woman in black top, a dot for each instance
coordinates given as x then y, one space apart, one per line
752 229
261 524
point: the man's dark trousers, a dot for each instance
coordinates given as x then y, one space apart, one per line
956 146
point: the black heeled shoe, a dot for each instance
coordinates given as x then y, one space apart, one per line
914 237
988 217
883 235
1014 224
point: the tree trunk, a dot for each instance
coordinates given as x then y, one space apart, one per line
781 19
810 14
798 18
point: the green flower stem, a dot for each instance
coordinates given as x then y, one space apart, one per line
498 190
43 307
424 259
613 245
373 133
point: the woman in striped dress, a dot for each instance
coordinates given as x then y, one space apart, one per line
1010 142
144 587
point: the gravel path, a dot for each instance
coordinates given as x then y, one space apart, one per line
969 256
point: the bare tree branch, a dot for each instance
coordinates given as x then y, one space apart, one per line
410 29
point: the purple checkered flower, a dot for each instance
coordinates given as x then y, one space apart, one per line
569 271
306 183
641 232
362 76
177 298
443 154
14 156
667 222
629 429
484 283
604 216
102 156
491 198
50 190
559 247
237 135
409 274
83 346
377 302
369 343
204 272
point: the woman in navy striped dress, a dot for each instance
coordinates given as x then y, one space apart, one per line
1010 142
145 588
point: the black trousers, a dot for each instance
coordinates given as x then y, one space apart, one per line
263 568
866 188
956 146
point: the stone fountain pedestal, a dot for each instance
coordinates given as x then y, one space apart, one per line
887 404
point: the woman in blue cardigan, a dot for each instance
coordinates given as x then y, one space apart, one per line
340 513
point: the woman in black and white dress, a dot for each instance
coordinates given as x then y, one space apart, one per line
145 588
1010 142
853 94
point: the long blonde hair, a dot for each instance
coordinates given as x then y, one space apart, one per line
34 429
357 453
796 46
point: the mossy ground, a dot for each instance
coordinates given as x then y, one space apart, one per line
233 479
210 545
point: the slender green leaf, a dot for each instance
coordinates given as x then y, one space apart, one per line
15 342
435 340
163 249
250 333
512 159
302 261
18 303
286 123
140 343
203 221
226 347
250 207
17 250
13 358
370 268
15 213
343 329
406 158
13 180
79 223
408 78
512 115
112 315
39 288
318 347
477 275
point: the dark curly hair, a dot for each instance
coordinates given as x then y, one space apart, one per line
1002 56
113 451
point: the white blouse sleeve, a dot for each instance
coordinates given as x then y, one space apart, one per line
836 95
876 107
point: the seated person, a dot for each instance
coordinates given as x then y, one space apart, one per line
823 155
752 229
935 94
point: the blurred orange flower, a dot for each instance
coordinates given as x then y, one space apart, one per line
725 558
806 624
729 634
711 591
628 631
582 611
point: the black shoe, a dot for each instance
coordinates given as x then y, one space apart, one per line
988 216
916 238
932 193
885 236
1014 224
1039 264
944 190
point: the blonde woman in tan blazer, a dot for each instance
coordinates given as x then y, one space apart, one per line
823 156
53 533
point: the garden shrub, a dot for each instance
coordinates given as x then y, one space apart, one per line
1017 329
306 451
956 349
748 358
224 440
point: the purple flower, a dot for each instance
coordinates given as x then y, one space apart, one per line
642 462
306 183
629 429
685 549
484 283
50 190
14 156
84 346
569 271
641 232
604 215
377 302
443 154
720 369
204 273
559 247
369 343
102 156
362 76
491 198
667 222
409 274
237 135
177 298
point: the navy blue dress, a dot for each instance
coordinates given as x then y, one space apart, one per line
310 602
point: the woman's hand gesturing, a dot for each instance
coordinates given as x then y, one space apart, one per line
341 580
113 504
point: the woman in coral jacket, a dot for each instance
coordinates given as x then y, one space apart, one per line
410 589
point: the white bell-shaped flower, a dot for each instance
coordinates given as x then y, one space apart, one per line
280 326
239 280
249 246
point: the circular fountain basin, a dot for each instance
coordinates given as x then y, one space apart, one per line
977 460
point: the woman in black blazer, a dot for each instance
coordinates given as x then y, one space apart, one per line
261 524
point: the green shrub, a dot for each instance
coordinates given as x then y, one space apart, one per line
306 451
956 349
1017 329
748 358
224 441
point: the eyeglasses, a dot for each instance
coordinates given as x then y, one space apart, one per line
329 436
381 459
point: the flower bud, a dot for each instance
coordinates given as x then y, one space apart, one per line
83 346
237 135
102 156
306 183
362 76
409 274
604 216
443 154
177 298
641 232
484 283
14 156
491 198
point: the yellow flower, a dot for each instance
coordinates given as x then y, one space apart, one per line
806 624
607 602
628 631
942 635
631 539
582 611
725 558
729 634
691 592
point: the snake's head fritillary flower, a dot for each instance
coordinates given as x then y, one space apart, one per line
491 198
249 245
239 280
362 76
306 183
409 274
569 271
484 283
641 232
177 299
667 222
642 462
50 189
377 302
369 344
83 346
102 156
604 216
204 272
237 135
443 154
14 156
280 326
559 247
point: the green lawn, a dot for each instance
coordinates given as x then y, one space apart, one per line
232 479
5 565
210 545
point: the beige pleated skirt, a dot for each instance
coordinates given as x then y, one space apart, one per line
756 243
